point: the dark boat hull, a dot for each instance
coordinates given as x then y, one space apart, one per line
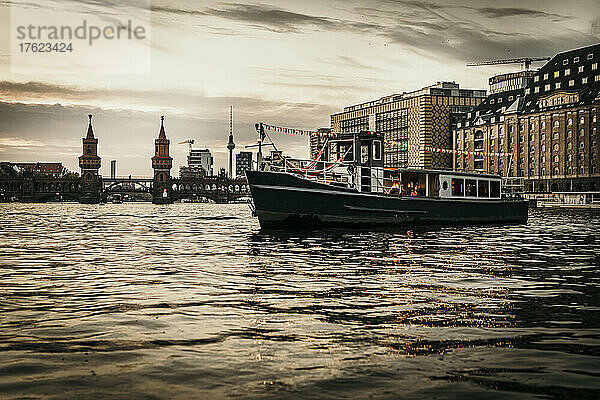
284 201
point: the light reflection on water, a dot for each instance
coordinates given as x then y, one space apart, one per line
192 300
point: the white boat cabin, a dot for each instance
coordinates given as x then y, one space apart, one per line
362 154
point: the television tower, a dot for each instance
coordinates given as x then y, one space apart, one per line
230 145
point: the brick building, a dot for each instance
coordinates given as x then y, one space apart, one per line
545 122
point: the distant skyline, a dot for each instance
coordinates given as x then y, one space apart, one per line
289 63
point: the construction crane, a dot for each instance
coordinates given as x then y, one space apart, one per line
525 62
189 142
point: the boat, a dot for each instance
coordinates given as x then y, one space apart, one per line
357 191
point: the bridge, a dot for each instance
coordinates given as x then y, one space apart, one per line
42 189
216 188
91 187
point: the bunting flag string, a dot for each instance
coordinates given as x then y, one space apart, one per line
292 131
448 151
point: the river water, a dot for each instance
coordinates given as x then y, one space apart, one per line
194 301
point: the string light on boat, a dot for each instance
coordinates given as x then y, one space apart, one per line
293 131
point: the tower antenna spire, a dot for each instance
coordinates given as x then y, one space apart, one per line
230 143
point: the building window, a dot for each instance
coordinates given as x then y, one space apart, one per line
555 147
543 124
576 59
580 69
571 82
536 89
556 158
567 71
510 98
543 148
547 87
594 66
590 56
584 80
545 76
556 74
581 145
569 122
557 85
527 91
556 124
536 78
565 62
569 133
499 100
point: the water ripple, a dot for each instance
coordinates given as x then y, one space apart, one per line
193 300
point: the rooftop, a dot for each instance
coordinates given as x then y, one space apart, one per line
437 89
569 79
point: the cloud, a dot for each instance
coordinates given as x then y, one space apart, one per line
518 12
19 143
128 134
271 19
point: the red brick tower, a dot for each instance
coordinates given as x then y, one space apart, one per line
162 163
89 162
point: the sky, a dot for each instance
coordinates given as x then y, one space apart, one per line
286 63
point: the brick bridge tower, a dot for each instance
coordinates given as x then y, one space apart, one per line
89 162
162 163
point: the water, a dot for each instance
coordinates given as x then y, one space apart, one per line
193 301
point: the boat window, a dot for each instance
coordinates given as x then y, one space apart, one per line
471 187
495 189
376 150
458 187
483 188
364 154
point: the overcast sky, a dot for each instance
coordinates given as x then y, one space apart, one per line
288 63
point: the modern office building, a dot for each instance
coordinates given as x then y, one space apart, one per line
540 125
412 121
243 163
201 158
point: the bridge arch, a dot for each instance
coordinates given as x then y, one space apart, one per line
135 183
